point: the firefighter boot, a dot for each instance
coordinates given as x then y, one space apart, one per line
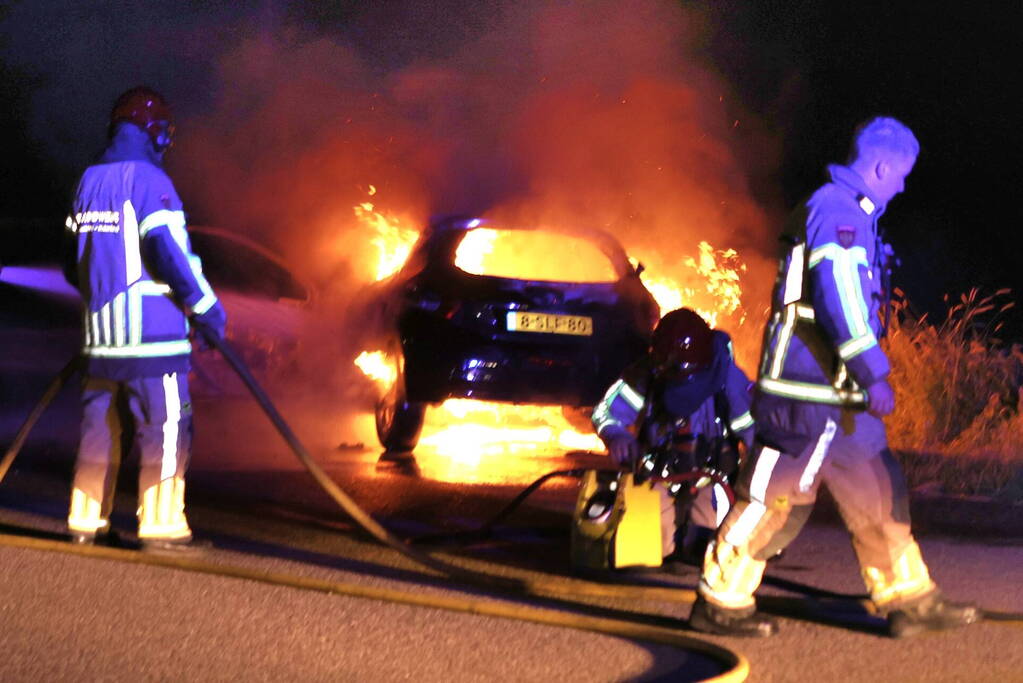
83 538
104 536
744 623
930 613
184 545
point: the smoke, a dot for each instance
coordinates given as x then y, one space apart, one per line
551 112
598 114
588 113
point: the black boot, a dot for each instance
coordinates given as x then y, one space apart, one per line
83 538
930 613
172 546
104 536
744 623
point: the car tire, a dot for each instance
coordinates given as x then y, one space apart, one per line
398 420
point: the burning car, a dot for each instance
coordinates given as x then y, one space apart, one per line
506 314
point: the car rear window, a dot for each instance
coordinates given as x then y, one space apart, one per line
533 255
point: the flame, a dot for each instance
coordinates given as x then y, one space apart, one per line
473 250
375 366
526 255
392 240
721 268
469 441
668 293
712 288
462 437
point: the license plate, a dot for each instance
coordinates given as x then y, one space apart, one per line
550 323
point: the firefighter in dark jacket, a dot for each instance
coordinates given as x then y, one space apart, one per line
685 405
821 393
130 258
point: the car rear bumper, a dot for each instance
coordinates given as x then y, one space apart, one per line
518 375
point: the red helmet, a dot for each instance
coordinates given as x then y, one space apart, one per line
148 110
683 344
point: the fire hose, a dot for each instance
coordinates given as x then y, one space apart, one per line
735 666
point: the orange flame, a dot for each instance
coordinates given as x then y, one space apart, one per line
473 250
721 268
500 427
392 240
375 366
712 284
470 441
526 255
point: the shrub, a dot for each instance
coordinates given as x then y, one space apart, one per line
957 393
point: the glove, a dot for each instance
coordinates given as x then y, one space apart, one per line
213 321
880 399
623 449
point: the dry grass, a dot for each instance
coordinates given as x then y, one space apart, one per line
957 421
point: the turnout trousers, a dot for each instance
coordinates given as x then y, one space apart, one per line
160 412
707 510
776 492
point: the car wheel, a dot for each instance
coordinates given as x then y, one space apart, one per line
399 421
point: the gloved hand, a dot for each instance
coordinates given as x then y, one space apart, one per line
623 449
880 399
213 321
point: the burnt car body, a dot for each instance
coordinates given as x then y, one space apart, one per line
454 334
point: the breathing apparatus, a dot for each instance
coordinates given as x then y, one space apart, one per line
617 522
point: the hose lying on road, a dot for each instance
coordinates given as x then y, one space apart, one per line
56 384
734 665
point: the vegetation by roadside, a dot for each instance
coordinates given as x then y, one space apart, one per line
957 425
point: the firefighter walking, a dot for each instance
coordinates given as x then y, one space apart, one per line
130 258
821 393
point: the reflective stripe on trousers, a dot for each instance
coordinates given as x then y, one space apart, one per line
852 459
160 409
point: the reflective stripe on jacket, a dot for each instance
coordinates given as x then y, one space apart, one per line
135 269
821 343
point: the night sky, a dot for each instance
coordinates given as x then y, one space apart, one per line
950 70
802 73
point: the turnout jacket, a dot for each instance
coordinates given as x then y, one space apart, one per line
821 342
129 255
635 396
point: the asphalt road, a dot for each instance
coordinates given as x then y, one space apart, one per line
65 617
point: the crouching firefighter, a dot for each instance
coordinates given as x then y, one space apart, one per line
821 393
680 412
129 255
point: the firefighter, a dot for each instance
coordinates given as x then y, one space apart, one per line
130 258
685 405
821 392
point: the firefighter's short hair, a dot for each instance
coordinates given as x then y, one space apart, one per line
883 136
